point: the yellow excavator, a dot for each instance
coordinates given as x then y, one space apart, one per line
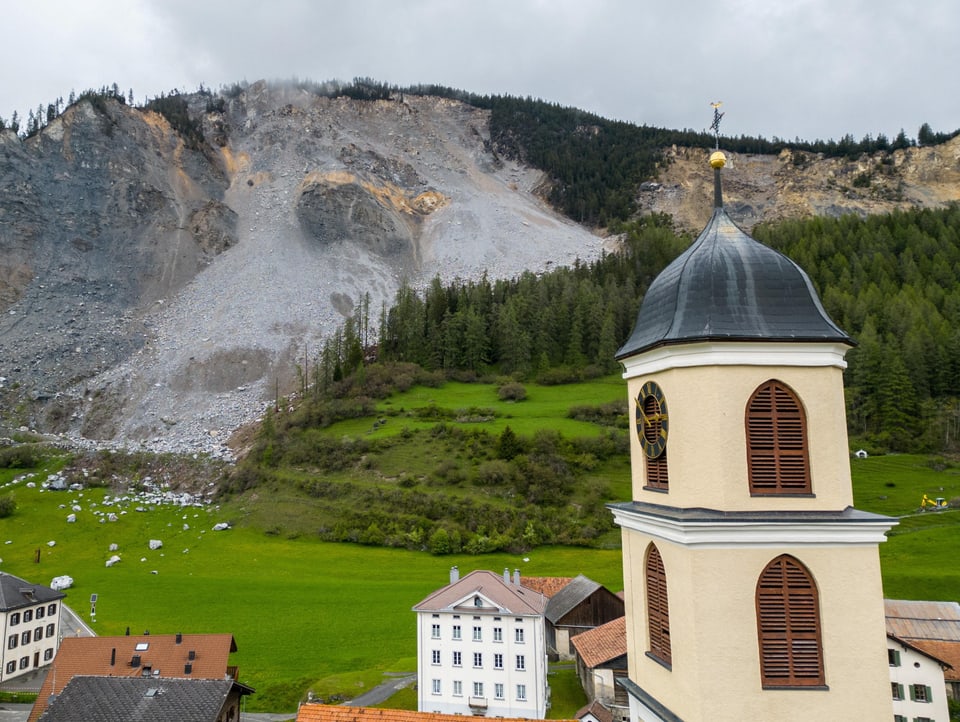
935 504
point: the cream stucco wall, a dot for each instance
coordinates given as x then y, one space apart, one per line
706 447
715 671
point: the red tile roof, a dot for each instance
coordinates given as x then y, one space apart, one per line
603 643
92 656
334 713
547 586
948 652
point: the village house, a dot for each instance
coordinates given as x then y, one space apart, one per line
931 627
30 619
601 656
916 683
158 658
481 648
313 712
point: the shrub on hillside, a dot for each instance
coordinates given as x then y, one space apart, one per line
512 391
8 505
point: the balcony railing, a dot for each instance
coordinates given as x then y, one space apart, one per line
478 702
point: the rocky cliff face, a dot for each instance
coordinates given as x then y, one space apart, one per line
763 188
157 294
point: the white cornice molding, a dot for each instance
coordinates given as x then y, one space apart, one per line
732 533
731 353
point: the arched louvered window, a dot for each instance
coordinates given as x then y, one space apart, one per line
788 624
776 442
658 612
657 466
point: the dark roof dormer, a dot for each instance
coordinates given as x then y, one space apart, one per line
729 287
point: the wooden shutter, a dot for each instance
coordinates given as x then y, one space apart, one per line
656 467
776 442
788 621
658 612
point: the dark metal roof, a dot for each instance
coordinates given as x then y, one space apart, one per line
702 515
727 286
141 699
569 597
16 593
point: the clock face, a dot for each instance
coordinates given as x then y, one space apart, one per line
652 420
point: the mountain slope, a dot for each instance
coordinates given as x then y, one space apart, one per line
160 294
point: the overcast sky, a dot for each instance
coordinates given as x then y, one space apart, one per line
783 68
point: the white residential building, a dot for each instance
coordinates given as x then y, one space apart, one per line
481 648
30 620
916 683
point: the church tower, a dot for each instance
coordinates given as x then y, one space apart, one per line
753 587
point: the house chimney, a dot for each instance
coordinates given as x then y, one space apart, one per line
516 577
454 574
506 575
179 637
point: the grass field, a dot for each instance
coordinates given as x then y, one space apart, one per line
333 618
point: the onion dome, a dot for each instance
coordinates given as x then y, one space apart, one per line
729 287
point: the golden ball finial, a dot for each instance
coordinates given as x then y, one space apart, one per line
717 159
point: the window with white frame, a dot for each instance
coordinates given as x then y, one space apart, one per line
435 656
477 634
51 609
24 662
896 690
25 637
457 688
12 641
15 618
28 615
51 628
11 667
435 631
456 631
457 659
521 692
518 635
48 654
498 661
498 690
436 686
893 657
40 611
478 689
478 659
498 634
920 693
38 634
521 662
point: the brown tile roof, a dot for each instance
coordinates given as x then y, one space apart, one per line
92 655
603 643
547 586
596 709
912 620
334 713
509 598
948 652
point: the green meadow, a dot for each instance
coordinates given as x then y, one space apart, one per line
334 618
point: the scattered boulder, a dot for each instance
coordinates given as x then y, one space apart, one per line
221 526
71 518
61 582
155 544
113 560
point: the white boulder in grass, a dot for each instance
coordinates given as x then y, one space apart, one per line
62 582
221 526
51 543
114 547
113 560
71 518
155 543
